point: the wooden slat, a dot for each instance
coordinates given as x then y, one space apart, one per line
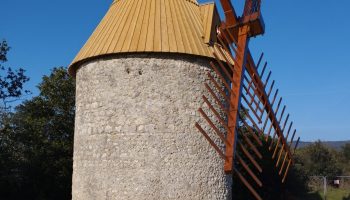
250 157
283 164
189 41
151 27
217 86
128 29
95 35
250 106
212 125
281 150
138 29
196 30
119 26
216 113
141 46
218 101
197 20
106 37
222 78
208 17
252 132
224 69
177 30
204 12
134 29
250 172
246 183
157 46
286 172
164 27
170 27
212 143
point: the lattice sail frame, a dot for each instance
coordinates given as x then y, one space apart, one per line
240 90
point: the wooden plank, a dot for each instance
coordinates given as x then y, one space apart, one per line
235 101
196 31
170 28
143 37
246 183
87 47
126 36
218 101
250 172
196 17
209 24
268 106
164 27
211 142
212 125
151 27
205 20
216 113
178 36
190 40
182 29
113 34
197 27
250 157
157 45
138 28
103 39
134 24
218 88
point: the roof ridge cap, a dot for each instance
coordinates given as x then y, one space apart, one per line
191 1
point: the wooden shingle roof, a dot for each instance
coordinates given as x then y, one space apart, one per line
175 26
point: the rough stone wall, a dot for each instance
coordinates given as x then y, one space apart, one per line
135 137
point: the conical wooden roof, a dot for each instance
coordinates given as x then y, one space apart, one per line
175 26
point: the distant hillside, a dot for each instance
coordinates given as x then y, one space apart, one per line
333 144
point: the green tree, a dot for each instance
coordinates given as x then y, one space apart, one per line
11 89
40 143
345 159
346 151
11 81
319 160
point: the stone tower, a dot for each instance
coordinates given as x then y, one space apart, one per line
139 82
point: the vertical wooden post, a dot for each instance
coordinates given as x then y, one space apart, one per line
236 90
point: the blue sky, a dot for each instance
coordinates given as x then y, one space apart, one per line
306 45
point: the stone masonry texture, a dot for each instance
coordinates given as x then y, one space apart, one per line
134 132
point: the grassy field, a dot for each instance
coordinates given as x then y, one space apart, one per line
332 194
338 194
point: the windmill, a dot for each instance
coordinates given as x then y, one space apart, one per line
140 78
243 93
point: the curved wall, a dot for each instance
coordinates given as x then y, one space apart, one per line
135 137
